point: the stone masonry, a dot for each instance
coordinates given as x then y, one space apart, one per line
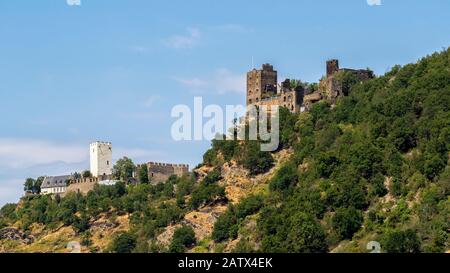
160 172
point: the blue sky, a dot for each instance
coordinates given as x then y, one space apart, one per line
113 69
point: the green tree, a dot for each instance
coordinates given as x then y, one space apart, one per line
285 178
124 243
346 222
183 237
143 174
76 175
255 160
29 185
398 241
124 169
86 174
33 185
81 224
305 235
223 228
8 212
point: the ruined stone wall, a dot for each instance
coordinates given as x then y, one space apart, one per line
332 67
361 74
330 89
292 99
160 172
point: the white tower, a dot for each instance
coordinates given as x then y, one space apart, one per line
101 158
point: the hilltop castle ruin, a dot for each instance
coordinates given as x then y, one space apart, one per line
263 87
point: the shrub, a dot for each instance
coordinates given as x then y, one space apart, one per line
255 160
401 242
285 178
182 238
346 222
208 191
81 224
305 235
249 206
124 243
223 228
143 174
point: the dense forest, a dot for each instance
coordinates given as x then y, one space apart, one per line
373 167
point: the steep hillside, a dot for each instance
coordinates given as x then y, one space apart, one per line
373 167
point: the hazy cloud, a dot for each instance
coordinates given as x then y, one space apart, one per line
188 40
229 28
374 2
139 49
195 83
25 153
150 101
222 81
225 81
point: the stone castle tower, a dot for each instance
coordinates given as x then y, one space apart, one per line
332 67
101 158
261 84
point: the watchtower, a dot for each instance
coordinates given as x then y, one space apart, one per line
261 84
101 158
332 67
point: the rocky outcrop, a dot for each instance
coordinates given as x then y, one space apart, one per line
15 235
238 184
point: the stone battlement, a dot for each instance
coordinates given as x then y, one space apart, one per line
90 179
95 143
167 165
84 180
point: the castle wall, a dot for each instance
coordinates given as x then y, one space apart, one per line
160 172
82 186
361 74
292 99
330 89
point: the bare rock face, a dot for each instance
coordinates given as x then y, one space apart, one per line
15 235
202 172
238 184
103 225
201 221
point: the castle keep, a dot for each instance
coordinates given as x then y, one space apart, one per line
101 158
263 88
